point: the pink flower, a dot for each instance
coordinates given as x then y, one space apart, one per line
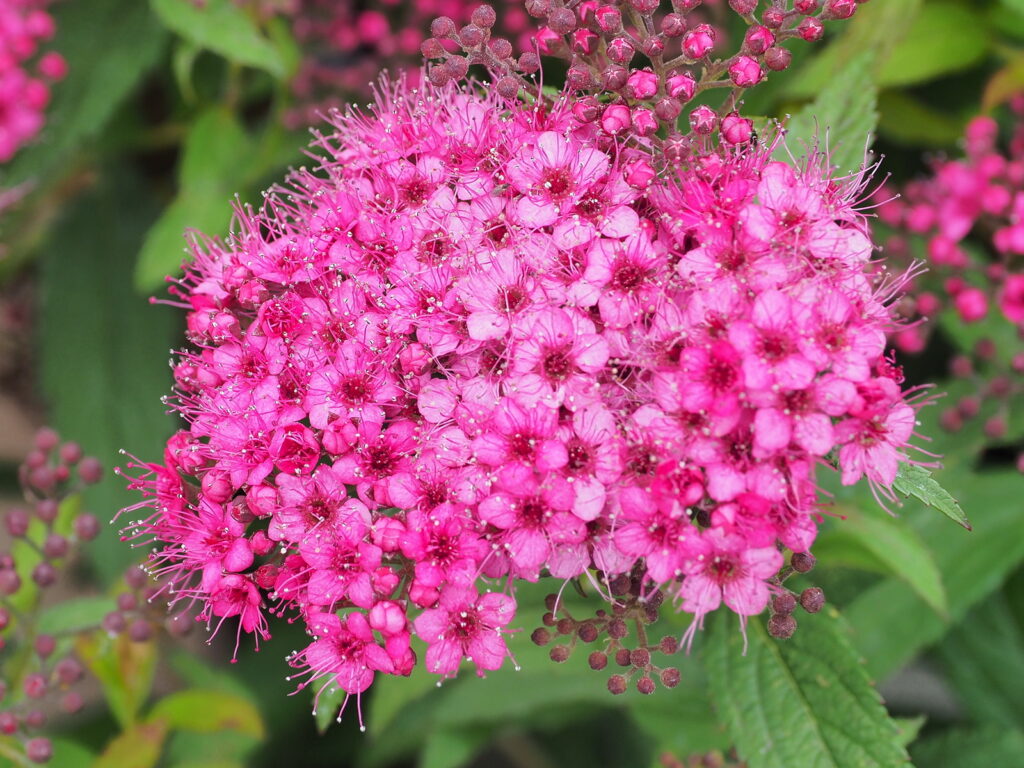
722 567
465 625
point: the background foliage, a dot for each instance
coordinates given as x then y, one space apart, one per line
170 110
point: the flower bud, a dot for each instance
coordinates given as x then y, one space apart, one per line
644 122
670 677
579 78
113 623
72 702
802 562
773 17
784 603
35 719
622 656
45 645
609 18
673 25
501 48
55 546
640 657
442 26
90 470
621 51
839 9
745 72
703 120
681 86
653 47
777 58
743 7
615 119
812 599
528 62
44 575
540 636
559 654
971 304
16 521
34 686
613 78
597 660
140 631
667 110
430 48
810 29
806 7
10 582
562 21
645 686
8 723
736 129
71 453
641 84
68 671
587 109
759 39
617 684
781 626
699 41
638 174
86 526
484 16
39 750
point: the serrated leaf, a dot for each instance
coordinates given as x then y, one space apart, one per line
841 118
984 660
895 546
804 702
215 150
208 710
103 348
892 623
225 28
988 747
916 481
75 615
909 728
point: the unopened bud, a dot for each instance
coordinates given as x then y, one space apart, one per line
812 599
781 626
617 684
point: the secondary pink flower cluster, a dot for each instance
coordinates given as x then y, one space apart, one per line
967 221
488 343
24 79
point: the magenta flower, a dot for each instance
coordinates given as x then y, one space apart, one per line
465 625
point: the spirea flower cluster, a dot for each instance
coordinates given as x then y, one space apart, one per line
24 78
966 219
486 343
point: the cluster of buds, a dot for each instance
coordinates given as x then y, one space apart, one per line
634 68
636 601
966 221
24 78
36 666
781 624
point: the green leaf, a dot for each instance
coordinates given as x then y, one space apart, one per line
984 660
876 29
75 615
803 702
910 122
988 747
137 747
912 480
110 46
209 710
216 149
927 53
842 118
909 728
223 27
328 705
892 544
452 747
104 348
71 754
124 668
891 622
